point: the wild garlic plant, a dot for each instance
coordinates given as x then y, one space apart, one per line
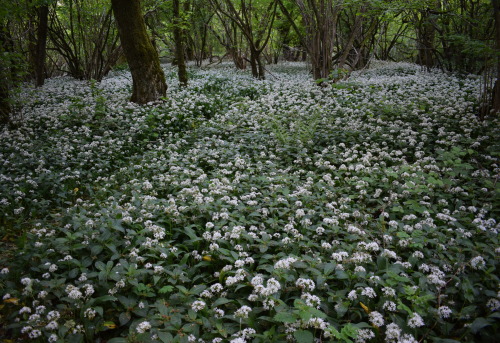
374 218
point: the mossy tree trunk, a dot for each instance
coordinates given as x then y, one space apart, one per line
179 44
147 76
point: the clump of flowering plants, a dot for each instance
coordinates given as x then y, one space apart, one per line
239 210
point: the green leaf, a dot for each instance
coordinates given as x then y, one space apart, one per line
303 336
197 289
300 265
317 313
220 301
127 302
478 324
402 306
117 340
341 275
166 289
305 315
99 310
382 262
164 337
183 289
100 265
73 273
105 298
124 318
328 268
75 338
95 250
285 317
191 314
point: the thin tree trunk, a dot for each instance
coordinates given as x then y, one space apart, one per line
179 45
253 63
147 76
426 35
496 89
320 22
261 69
41 44
4 105
358 22
5 75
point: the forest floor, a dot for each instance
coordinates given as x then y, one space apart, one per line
238 210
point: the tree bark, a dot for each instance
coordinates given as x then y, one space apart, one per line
358 22
179 44
257 36
253 63
426 34
5 75
41 44
320 21
256 63
496 89
147 76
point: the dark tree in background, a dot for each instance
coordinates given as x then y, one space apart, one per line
5 75
41 43
179 43
81 38
147 76
255 23
319 18
496 89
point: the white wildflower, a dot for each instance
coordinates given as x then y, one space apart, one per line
143 327
198 305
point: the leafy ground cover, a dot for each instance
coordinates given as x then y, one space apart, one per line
252 211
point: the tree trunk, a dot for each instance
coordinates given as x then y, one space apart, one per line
41 44
426 35
147 76
253 63
261 70
320 22
256 35
179 44
5 75
4 104
496 89
358 22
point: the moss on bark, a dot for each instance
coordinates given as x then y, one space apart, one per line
148 78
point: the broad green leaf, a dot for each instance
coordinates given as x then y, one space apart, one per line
303 336
285 317
478 324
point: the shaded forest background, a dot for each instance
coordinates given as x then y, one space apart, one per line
46 38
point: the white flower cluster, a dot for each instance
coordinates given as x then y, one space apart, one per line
144 326
325 177
272 286
238 276
243 312
73 292
198 305
285 263
305 284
